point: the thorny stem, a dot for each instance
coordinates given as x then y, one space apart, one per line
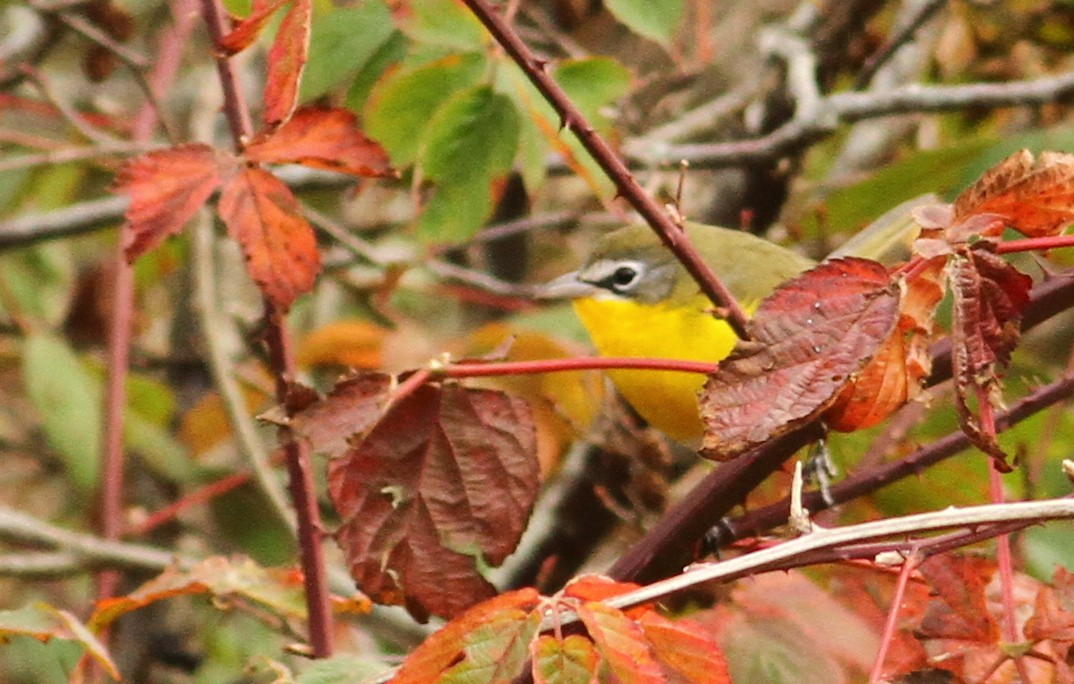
627 186
278 340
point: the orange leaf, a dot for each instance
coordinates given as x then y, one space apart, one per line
286 62
513 612
896 373
263 216
165 188
570 660
809 339
247 30
446 470
1035 196
686 648
621 644
324 139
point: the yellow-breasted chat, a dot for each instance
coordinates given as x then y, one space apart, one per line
637 301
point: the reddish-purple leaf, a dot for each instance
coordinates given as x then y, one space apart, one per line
324 139
447 474
809 339
247 30
286 62
352 407
281 251
165 188
989 296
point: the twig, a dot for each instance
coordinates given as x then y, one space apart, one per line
72 154
214 326
909 564
613 165
90 549
903 34
830 538
845 107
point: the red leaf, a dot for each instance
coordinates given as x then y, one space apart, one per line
686 648
1035 196
286 62
165 188
279 245
247 30
989 296
569 660
1052 625
324 139
621 644
512 613
447 473
809 339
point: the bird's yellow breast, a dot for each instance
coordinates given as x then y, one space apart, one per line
666 399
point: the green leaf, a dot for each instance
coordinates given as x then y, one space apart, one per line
343 42
54 628
40 282
593 84
455 212
444 22
401 104
655 19
391 51
342 669
68 399
472 136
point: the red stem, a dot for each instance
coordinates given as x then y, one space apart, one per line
471 369
669 232
1035 244
909 564
119 332
281 358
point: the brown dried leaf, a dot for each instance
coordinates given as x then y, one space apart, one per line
447 474
1034 196
324 139
286 62
246 31
810 338
281 251
165 188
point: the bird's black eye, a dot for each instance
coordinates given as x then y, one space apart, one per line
623 278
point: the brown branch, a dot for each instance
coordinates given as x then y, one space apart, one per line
627 186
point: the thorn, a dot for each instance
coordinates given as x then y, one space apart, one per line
799 516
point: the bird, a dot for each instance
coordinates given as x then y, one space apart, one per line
636 300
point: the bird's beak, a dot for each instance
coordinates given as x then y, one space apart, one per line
567 286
